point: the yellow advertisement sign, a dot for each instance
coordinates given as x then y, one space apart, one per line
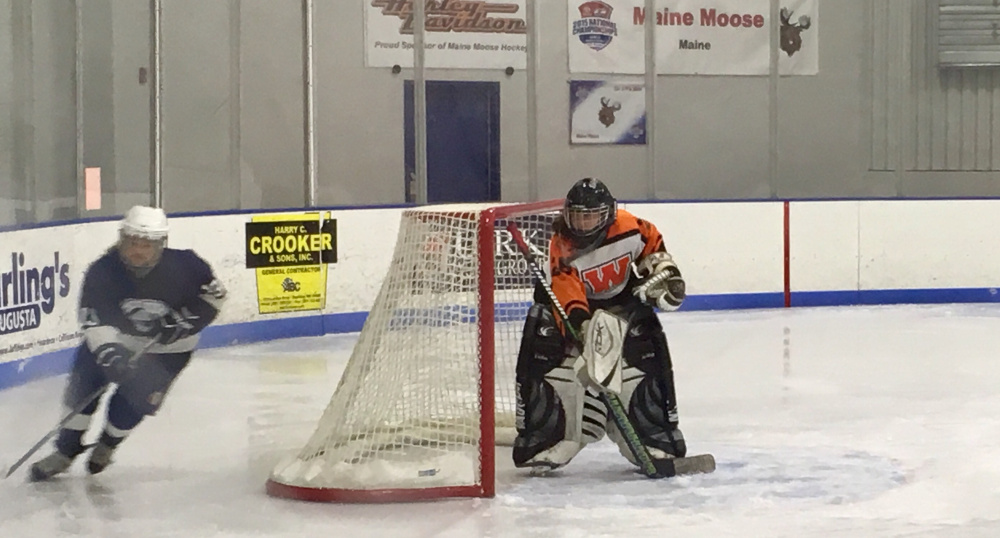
290 254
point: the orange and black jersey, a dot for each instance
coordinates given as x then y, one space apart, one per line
602 277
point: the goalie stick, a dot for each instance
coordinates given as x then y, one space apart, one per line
76 411
652 468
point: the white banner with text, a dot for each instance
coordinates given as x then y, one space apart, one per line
693 37
461 34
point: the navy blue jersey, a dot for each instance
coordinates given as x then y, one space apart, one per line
118 307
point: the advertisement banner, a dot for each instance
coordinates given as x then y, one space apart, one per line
41 274
693 37
607 112
462 34
33 283
510 268
290 254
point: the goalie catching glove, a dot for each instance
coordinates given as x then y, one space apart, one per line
661 284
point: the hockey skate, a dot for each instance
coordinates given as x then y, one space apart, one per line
49 466
549 460
100 458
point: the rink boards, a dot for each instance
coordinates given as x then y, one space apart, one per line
733 255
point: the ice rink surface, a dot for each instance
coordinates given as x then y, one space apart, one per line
832 422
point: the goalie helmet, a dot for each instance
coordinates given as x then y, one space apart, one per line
588 212
142 236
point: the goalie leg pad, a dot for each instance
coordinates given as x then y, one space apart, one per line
540 417
541 420
648 392
556 418
542 344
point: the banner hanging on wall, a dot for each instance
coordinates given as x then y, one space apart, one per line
466 34
693 37
290 254
607 112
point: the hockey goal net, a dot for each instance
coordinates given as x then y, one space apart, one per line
429 388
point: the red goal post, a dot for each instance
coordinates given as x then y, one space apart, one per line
429 387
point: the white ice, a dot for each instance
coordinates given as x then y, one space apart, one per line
832 422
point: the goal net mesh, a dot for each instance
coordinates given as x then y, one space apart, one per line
410 411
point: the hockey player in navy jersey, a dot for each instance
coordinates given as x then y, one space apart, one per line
141 309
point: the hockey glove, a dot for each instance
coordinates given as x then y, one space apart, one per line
116 362
174 326
662 285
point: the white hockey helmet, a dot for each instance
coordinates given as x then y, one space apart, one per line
142 236
145 222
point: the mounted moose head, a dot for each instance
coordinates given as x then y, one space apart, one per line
791 34
607 113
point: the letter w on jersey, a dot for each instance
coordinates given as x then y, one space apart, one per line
607 276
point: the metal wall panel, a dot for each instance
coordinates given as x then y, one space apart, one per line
955 128
968 32
938 119
880 94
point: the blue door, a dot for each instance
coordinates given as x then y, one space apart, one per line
463 141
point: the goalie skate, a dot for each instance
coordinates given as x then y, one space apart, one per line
553 458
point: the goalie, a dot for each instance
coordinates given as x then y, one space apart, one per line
609 271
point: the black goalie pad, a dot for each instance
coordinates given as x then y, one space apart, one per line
542 344
541 420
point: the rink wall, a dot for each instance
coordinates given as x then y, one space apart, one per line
732 254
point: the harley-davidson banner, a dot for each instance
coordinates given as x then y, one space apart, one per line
466 34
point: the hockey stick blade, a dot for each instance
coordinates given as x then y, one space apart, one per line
698 464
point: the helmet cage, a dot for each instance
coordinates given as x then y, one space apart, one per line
134 250
584 221
588 212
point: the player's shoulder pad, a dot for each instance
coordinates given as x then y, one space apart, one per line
108 263
184 255
187 260
625 220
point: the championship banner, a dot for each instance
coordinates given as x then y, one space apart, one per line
607 112
290 254
463 34
693 37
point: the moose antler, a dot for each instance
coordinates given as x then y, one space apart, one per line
786 15
786 19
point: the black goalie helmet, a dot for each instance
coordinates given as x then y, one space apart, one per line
588 212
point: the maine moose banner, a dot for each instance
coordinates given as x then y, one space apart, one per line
693 37
464 34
